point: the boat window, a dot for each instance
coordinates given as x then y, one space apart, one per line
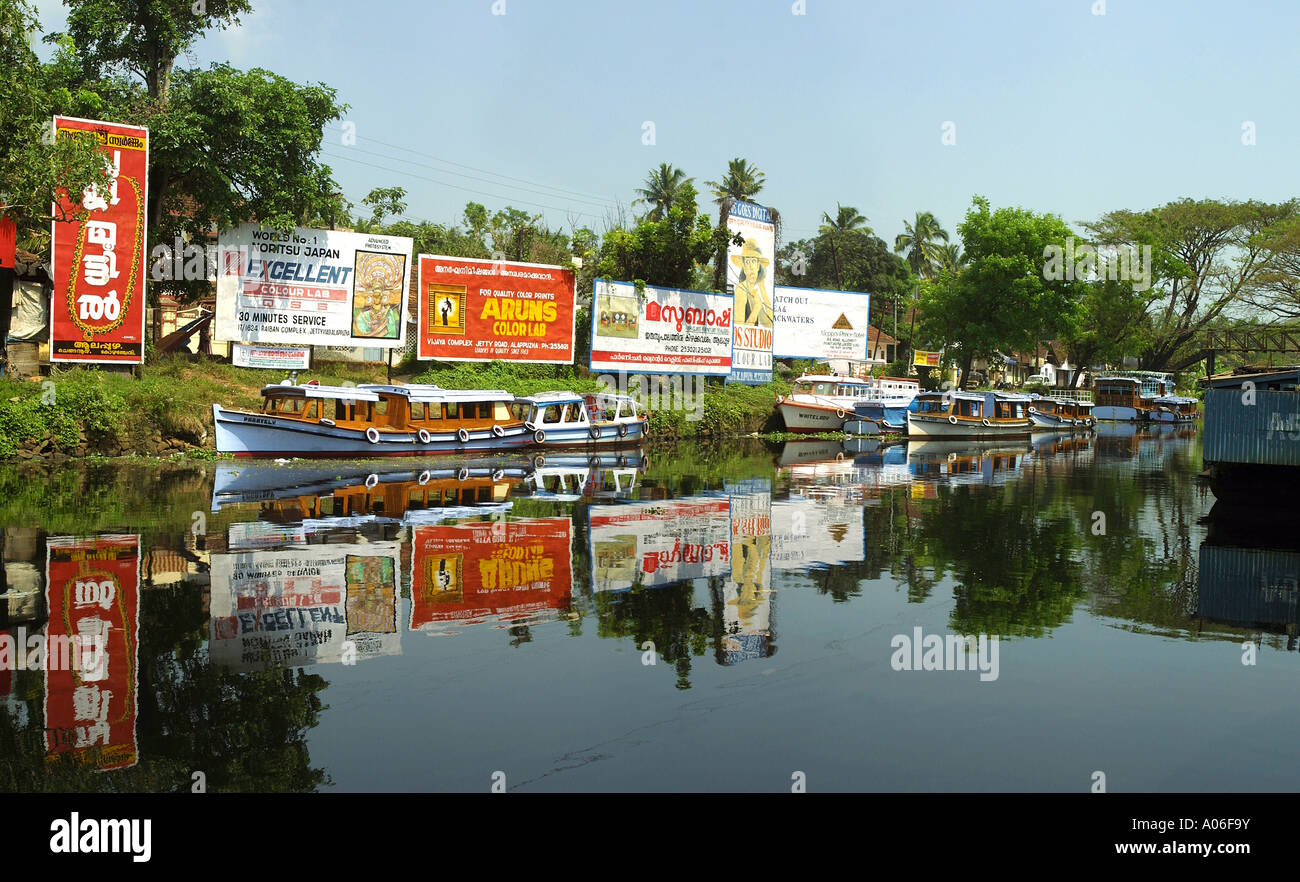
824 389
931 405
501 409
485 410
380 407
485 494
567 415
453 410
417 410
310 410
551 414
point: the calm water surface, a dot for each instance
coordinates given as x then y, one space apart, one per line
680 618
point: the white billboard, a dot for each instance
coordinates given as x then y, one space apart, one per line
813 323
312 287
660 330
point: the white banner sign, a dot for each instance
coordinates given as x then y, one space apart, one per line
289 358
305 605
664 331
312 287
812 323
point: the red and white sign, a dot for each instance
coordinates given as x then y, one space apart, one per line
484 310
469 572
93 595
8 241
659 330
660 542
98 310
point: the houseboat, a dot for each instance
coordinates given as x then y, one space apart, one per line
827 402
566 419
1129 398
370 420
1174 409
978 415
1061 413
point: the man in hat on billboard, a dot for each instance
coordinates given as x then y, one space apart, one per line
753 306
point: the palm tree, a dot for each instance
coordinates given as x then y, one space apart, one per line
847 219
949 257
661 188
742 181
917 242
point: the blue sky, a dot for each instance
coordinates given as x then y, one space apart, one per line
1055 108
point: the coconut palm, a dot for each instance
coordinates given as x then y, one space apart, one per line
742 181
847 219
949 257
917 242
661 189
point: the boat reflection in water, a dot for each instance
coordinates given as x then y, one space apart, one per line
1249 573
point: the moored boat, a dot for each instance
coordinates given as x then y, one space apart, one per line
1061 413
1130 398
826 402
370 420
977 415
566 419
1174 409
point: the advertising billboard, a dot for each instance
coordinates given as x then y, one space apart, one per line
812 323
483 310
98 253
660 330
312 287
751 268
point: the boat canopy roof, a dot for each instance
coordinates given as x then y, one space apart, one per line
423 393
833 378
553 397
354 393
1174 399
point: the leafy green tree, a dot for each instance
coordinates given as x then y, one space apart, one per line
1207 256
662 188
226 146
1002 298
34 170
144 37
663 252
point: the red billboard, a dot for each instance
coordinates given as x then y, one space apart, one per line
93 594
482 310
97 314
478 570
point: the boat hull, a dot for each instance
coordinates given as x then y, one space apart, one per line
800 417
920 427
248 434
580 436
1112 413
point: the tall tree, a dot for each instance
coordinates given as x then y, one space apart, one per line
1003 298
847 220
743 181
663 252
145 37
1206 256
661 190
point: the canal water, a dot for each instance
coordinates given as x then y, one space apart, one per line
746 617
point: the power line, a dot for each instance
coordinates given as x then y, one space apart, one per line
507 199
600 203
481 170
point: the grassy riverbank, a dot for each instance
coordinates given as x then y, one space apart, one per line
82 412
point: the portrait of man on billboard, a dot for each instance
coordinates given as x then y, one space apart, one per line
753 303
